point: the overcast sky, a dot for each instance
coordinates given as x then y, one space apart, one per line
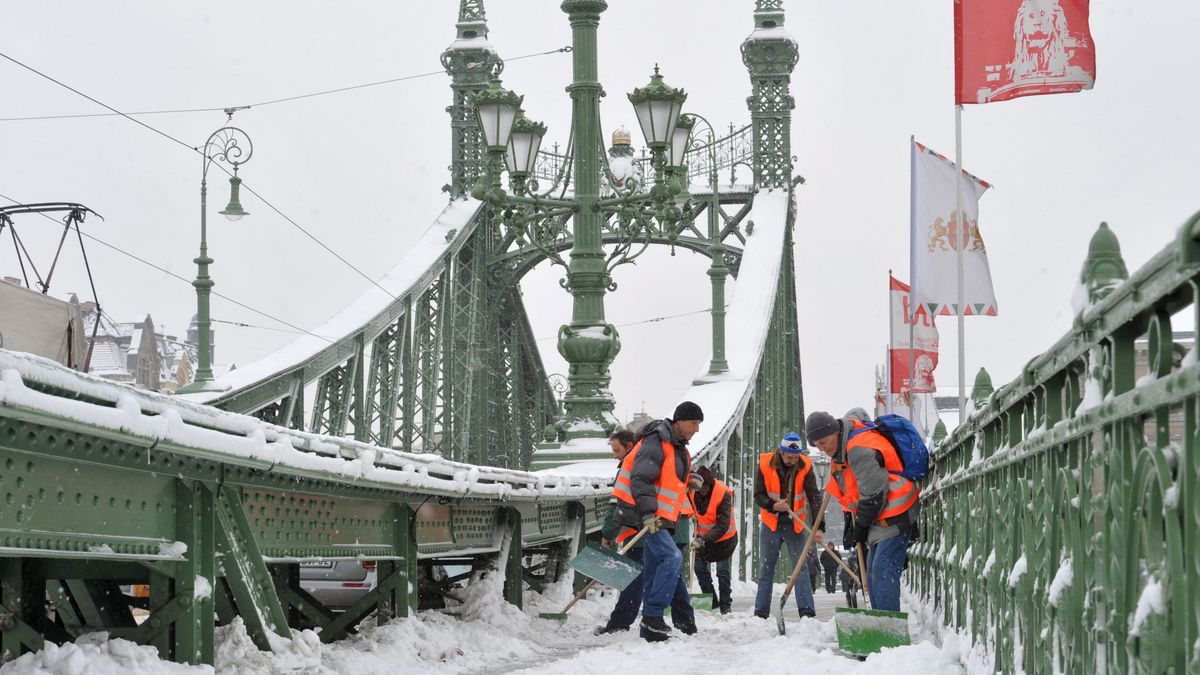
362 170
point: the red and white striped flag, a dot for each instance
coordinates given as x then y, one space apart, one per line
937 233
1004 49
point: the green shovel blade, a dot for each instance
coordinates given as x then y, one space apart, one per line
606 567
867 631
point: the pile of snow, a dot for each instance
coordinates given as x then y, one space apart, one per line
95 654
482 633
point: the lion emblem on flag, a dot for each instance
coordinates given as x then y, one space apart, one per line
1040 37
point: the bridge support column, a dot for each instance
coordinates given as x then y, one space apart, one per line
403 598
22 608
195 526
511 560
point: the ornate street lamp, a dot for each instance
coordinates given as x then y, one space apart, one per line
496 108
629 220
523 145
657 106
228 145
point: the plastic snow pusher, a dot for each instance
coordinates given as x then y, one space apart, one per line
602 565
867 631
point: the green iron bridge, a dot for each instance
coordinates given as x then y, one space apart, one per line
420 432
425 431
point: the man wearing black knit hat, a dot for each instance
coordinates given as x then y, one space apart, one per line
650 490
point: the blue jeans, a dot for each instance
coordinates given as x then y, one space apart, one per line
885 562
630 600
661 562
769 543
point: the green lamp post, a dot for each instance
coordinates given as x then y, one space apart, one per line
536 219
231 146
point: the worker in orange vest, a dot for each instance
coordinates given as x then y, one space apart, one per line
716 536
883 502
650 489
784 481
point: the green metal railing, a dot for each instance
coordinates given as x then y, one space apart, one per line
102 485
1061 523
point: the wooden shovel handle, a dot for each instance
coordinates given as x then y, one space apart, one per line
621 551
807 546
830 551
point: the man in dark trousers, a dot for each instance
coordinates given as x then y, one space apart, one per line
650 489
716 537
630 599
829 564
784 481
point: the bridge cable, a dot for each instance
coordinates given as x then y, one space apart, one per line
245 185
650 320
186 281
266 103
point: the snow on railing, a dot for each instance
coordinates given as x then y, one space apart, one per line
33 386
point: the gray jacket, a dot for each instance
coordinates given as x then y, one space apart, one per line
647 467
868 469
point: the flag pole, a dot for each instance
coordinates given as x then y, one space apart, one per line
960 238
912 348
889 408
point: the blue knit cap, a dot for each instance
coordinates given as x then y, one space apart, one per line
791 444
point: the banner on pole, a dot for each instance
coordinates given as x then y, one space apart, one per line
922 353
938 232
1005 49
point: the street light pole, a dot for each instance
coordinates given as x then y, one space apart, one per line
589 343
533 218
231 146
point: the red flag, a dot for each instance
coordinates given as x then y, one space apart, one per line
1004 49
924 347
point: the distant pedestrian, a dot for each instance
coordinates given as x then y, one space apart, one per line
814 569
829 564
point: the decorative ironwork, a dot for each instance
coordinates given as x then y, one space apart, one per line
1059 518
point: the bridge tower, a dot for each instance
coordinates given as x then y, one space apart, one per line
470 61
770 54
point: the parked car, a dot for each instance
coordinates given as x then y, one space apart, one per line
338 584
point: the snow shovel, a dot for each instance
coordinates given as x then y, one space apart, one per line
835 556
800 564
867 631
614 569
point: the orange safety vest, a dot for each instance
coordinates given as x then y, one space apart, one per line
706 521
669 490
771 482
902 493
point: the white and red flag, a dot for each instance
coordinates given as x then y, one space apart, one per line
1004 49
921 353
937 234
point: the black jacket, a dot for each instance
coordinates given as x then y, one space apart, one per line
811 493
724 514
646 468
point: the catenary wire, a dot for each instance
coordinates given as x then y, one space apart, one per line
261 104
186 281
245 185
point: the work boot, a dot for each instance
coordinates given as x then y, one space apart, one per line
686 629
654 629
808 613
605 629
725 609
